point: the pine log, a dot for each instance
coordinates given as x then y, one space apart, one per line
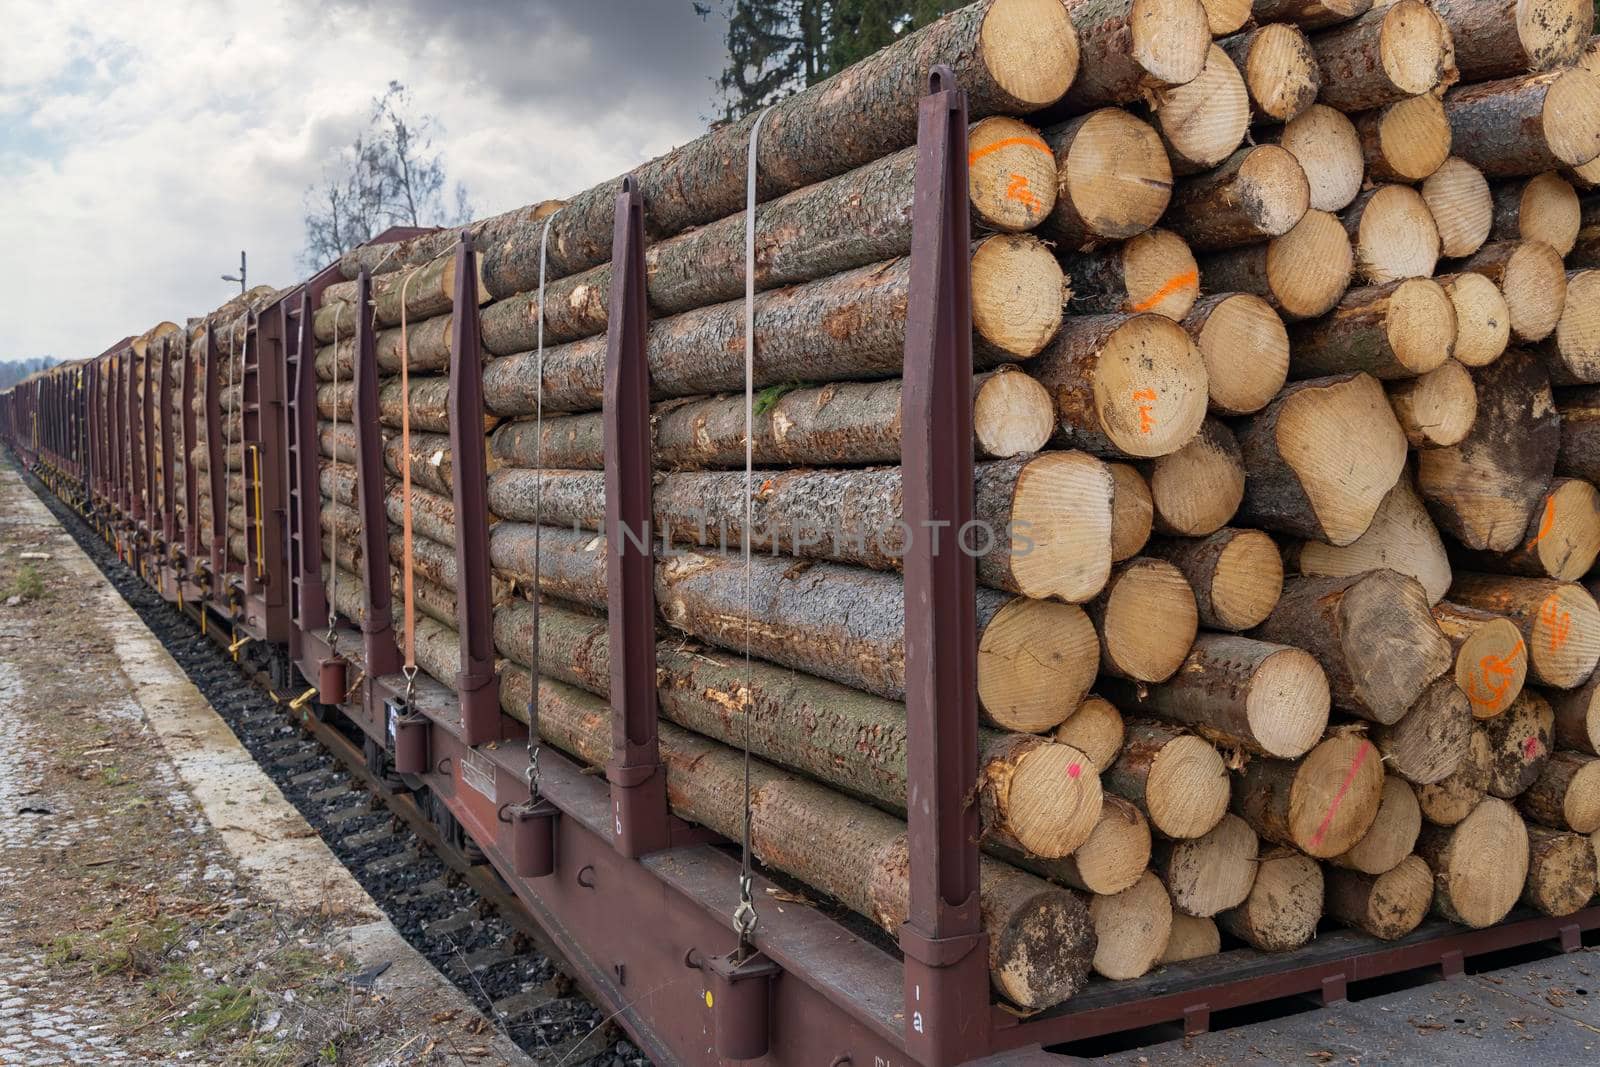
1301 274
1131 929
1562 539
1226 16
1202 122
1519 744
1280 70
1561 871
1453 798
1329 150
1401 538
1479 865
1177 779
1146 619
1309 14
1577 714
1392 835
1191 939
1210 873
1010 56
1483 319
432 516
1124 385
1283 907
1491 659
1034 796
1498 38
1095 729
429 459
1406 141
1579 456
846 326
1321 458
1132 512
1246 350
1113 178
1401 329
1566 794
1041 940
418 292
1431 738
1256 194
1572 354
1196 490
1462 206
1372 633
1388 905
1113 858
1322 804
1484 491
1267 699
1436 409
1236 575
1527 124
1543 208
1559 622
1532 280
1044 520
1131 47
427 345
1384 56
1153 272
1394 234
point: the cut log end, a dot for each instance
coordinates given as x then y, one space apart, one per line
1393 833
1308 268
1161 274
1037 661
1095 729
1246 582
1412 138
1191 939
1150 387
1169 39
1030 50
1281 71
1553 32
1117 851
1063 504
1288 703
1197 489
1413 47
1580 806
1011 174
1131 929
1573 356
1148 620
1420 324
1132 512
1041 949
1480 865
1011 415
1458 196
1226 16
1453 798
1213 872
1483 321
1204 121
1329 150
1018 295
1388 905
1053 800
1571 117
1491 660
1284 905
1113 178
1561 871
1436 410
1396 236
1566 534
1335 797
1533 280
1246 350
1564 643
1187 791
1519 744
1545 208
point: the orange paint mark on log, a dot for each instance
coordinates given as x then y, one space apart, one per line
1338 798
1546 523
1175 284
1497 672
1018 190
1007 142
1559 622
1145 398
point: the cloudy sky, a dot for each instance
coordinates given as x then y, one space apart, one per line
142 145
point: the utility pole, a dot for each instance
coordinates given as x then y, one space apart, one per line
237 277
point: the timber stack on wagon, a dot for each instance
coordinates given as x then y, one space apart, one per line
1286 421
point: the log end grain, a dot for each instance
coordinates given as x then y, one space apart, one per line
1288 703
1246 349
1030 51
1561 871
1571 117
1573 355
1117 851
1335 797
1534 283
1169 39
1132 512
1011 415
1131 929
1580 806
1149 390
1483 320
1480 865
1148 620
1519 744
1191 939
1388 905
1547 209
1553 32
1272 181
1213 872
1329 151
1011 177
1197 489
1062 520
1053 799
1420 323
1187 791
1247 581
1018 295
1041 940
1036 661
1161 274
1309 268
1114 180
1437 409
1281 72
1095 729
1566 539
1491 665
1564 642
1284 905
1393 833
1226 16
1396 236
1203 121
1413 139
1458 196
1413 46
1453 798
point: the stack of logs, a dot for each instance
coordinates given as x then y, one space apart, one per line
1287 415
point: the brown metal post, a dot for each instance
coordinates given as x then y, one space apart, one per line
638 780
169 488
147 431
191 478
216 464
477 682
135 424
946 981
305 494
377 625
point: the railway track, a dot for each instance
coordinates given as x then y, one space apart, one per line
407 852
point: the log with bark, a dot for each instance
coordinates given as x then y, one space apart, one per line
1392 835
1485 490
1321 458
1309 14
1322 804
1566 794
1246 351
1572 353
1401 329
846 326
1559 621
1284 904
1579 455
1256 194
1577 714
1131 47
1146 618
1202 122
1454 797
1045 519
1236 575
1386 55
1196 490
1095 729
1176 779
1562 539
1401 538
1154 271
1301 274
1519 744
1388 905
1211 873
1267 699
1561 871
1373 634
1543 208
1406 141
427 349
1114 857
1131 929
1497 38
1483 319
1479 865
1431 738
1113 178
1279 68
1462 206
1436 409
1124 385
1527 124
1328 148
1132 512
1393 233
1491 659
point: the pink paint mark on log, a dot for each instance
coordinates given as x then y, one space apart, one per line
1530 748
1074 771
1338 798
